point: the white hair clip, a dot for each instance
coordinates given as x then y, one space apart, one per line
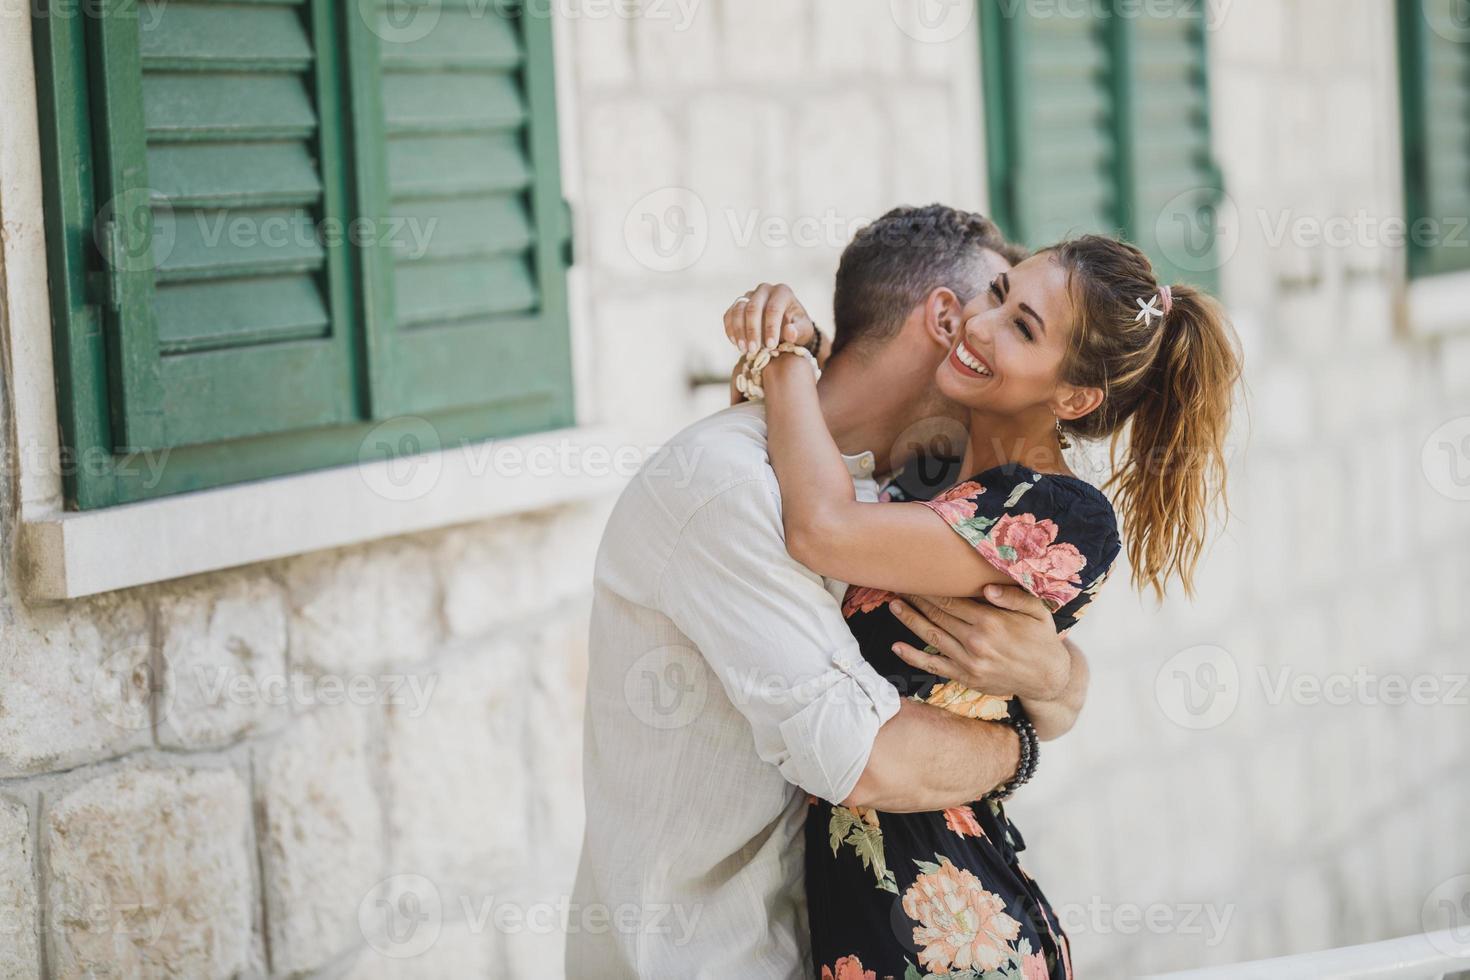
1150 309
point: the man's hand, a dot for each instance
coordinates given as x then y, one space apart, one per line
766 316
1006 647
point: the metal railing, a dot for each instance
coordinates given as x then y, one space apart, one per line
1431 956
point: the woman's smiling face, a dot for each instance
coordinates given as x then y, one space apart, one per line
1009 353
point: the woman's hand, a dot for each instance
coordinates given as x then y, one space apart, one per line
1007 646
1008 654
766 316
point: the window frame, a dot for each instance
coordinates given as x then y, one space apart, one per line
1002 54
93 473
1424 262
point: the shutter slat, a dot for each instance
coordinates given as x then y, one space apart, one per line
438 102
216 37
461 40
196 317
215 175
457 165
450 292
464 227
236 106
205 244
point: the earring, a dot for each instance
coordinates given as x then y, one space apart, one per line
1062 439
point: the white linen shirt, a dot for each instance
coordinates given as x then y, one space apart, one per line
723 687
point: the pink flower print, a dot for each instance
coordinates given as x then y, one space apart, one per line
1023 548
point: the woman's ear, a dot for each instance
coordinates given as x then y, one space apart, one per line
944 316
1073 402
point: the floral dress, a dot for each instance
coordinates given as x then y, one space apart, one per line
941 894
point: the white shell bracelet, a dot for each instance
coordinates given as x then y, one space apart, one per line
748 381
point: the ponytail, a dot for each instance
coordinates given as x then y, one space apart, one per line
1168 388
1171 470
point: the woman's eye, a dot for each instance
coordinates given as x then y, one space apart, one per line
1025 330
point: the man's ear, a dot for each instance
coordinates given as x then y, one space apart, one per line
1072 402
944 316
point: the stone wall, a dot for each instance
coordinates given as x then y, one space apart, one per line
290 768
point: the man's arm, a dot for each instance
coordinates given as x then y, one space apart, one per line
777 641
926 758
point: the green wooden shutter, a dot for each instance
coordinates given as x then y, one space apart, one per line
222 150
1099 123
1176 185
1434 46
469 303
1051 125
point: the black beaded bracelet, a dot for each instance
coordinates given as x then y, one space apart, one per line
1030 753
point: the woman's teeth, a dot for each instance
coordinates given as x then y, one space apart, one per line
971 361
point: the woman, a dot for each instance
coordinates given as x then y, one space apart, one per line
1078 338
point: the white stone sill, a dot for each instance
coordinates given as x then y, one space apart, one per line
66 555
1439 305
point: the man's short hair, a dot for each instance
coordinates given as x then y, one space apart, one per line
893 263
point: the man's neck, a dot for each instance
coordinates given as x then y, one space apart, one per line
868 406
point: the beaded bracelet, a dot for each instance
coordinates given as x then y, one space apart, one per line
1030 753
748 381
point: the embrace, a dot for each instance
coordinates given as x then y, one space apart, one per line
821 663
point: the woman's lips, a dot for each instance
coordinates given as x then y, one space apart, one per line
976 368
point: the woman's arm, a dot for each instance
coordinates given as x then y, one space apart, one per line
901 547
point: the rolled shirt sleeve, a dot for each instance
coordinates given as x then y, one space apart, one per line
776 639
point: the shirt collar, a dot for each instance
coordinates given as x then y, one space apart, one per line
860 466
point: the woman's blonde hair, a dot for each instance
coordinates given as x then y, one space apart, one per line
1168 386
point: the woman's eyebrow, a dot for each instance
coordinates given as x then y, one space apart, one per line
1034 315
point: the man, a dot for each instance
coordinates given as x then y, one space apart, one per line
724 685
